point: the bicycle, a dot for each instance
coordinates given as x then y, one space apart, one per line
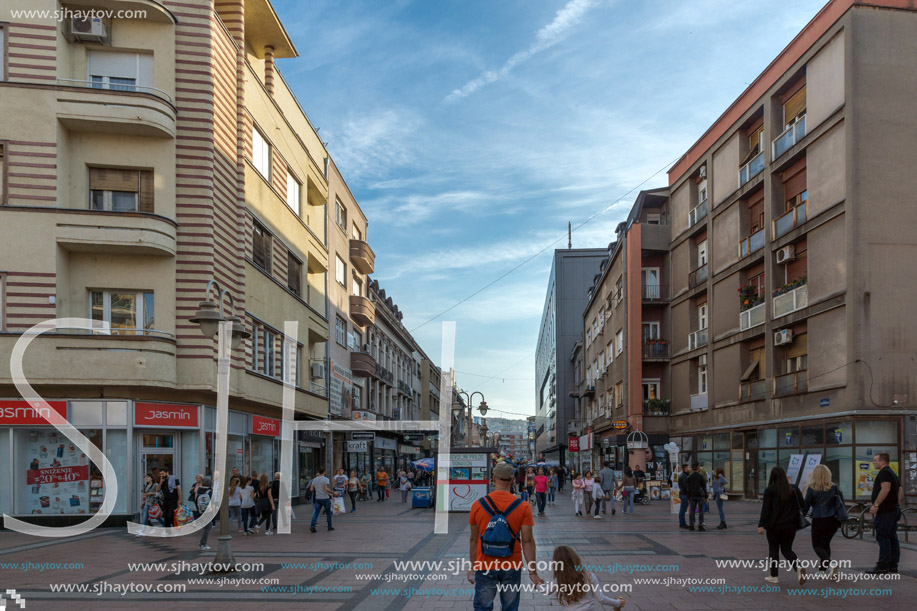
858 524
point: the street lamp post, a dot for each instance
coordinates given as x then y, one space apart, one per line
459 410
209 317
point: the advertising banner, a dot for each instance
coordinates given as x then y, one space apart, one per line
20 412
265 426
57 478
812 461
341 389
468 480
166 415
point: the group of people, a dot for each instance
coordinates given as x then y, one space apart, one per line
694 489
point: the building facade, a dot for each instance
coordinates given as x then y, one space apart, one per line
143 158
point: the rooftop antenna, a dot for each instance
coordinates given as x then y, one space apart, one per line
569 235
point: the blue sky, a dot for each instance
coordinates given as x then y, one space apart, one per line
472 131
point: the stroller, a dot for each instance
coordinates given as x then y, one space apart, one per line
640 496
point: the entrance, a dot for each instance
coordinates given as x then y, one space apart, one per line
751 465
156 452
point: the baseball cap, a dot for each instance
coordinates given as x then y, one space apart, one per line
503 471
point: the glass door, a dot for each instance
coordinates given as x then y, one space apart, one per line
157 452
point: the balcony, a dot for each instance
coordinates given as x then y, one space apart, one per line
126 233
790 221
698 276
656 407
655 293
362 311
752 243
791 300
752 317
697 214
791 383
362 364
699 402
589 391
655 349
697 339
752 391
384 374
84 106
751 169
362 256
790 136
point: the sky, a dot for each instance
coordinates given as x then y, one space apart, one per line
471 132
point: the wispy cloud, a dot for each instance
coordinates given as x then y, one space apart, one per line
375 143
548 36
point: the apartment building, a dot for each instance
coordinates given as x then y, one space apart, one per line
144 160
430 399
561 327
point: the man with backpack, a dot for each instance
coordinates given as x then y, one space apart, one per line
204 492
501 531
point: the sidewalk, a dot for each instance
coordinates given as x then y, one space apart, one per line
370 542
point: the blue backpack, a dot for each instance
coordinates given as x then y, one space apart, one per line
498 539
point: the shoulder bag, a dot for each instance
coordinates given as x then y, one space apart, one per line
840 510
801 522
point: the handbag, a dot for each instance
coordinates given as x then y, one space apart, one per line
802 522
724 496
840 510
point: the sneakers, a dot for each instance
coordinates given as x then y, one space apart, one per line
270 532
331 528
878 570
597 517
312 529
801 575
769 579
352 510
832 575
205 547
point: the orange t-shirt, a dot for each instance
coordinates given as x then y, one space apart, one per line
382 478
521 516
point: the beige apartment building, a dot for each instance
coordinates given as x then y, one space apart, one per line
791 247
143 158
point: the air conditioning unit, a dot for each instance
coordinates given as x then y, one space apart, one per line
784 336
317 370
88 29
786 254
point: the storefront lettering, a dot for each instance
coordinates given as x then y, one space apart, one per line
157 415
265 426
20 412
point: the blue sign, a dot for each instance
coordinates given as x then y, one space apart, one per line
824 403
838 436
789 439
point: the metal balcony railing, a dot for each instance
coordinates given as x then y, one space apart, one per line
698 276
159 93
752 317
791 383
697 213
656 349
656 407
790 221
752 243
697 339
655 292
699 402
752 391
751 169
791 301
790 136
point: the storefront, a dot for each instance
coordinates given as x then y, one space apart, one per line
357 457
307 459
384 449
407 454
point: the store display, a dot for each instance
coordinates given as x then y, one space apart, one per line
59 484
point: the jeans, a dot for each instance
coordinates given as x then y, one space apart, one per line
781 538
542 498
274 515
205 532
523 494
697 505
317 506
719 507
235 513
145 515
629 493
823 529
610 495
551 494
587 494
887 538
404 496
249 516
266 518
353 500
485 589
380 492
682 510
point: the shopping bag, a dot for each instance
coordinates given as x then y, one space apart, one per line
182 516
338 503
155 512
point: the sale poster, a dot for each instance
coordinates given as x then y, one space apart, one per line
57 477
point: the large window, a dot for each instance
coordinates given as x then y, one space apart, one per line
356 234
294 189
261 247
125 312
340 331
619 339
294 274
120 71
702 375
120 190
261 154
264 350
2 52
340 270
357 286
2 302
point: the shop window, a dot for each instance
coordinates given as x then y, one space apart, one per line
115 190
813 435
737 479
767 438
261 247
57 478
340 215
839 433
877 431
865 473
294 192
125 312
788 437
840 462
294 274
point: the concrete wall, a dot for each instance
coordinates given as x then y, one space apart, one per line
723 310
825 82
826 170
827 337
723 376
725 237
679 207
725 169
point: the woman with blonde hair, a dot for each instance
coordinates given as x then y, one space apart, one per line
576 588
825 500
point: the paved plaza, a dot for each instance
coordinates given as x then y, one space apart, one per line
353 567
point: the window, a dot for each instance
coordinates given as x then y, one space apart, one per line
2 53
702 254
650 331
650 390
355 395
340 270
702 191
261 247
619 392
794 107
653 219
796 200
702 375
619 290
261 154
119 71
294 188
340 215
619 338
264 350
357 234
298 367
126 312
340 331
357 286
120 190
294 274
609 350
702 317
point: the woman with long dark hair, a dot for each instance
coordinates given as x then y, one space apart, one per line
780 515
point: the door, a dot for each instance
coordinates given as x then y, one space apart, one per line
157 451
751 465
650 282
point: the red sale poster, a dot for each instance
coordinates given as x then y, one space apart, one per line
57 475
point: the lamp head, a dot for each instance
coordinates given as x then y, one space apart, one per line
238 331
208 318
483 407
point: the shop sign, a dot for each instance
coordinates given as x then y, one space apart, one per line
413 436
363 435
20 412
165 415
838 435
386 444
265 426
573 444
357 446
361 415
407 449
620 424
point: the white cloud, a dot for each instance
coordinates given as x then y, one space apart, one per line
374 143
548 36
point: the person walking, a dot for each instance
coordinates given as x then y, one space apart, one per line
573 584
683 495
886 512
249 514
235 502
275 492
148 497
367 480
780 516
719 490
697 496
488 572
388 485
588 484
321 488
552 485
192 496
628 489
598 498
204 490
404 485
607 477
170 487
577 496
264 502
530 485
541 490
561 475
381 483
354 486
822 498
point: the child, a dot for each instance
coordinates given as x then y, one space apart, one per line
575 588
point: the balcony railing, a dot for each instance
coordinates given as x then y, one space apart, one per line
697 339
697 213
698 276
752 391
791 383
655 292
790 221
751 169
791 301
752 243
656 407
656 349
790 136
699 402
751 317
115 87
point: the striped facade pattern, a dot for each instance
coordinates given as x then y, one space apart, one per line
28 298
31 173
32 53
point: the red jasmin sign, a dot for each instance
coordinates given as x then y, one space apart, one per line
265 426
20 412
573 444
165 415
57 475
